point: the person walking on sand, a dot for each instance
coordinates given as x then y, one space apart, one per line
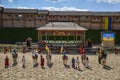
73 62
48 58
6 62
23 61
104 56
99 55
77 63
14 55
42 60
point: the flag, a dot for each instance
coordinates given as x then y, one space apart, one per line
108 36
61 50
47 49
107 23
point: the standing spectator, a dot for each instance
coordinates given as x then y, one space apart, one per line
77 63
89 42
42 60
104 57
99 55
28 42
23 49
86 62
39 50
5 50
23 61
6 62
48 58
73 62
116 51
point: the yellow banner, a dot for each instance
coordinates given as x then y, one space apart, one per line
106 23
108 39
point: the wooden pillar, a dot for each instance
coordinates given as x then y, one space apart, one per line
76 36
61 39
74 39
38 36
54 38
46 36
67 39
83 37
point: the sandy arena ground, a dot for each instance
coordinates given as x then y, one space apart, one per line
58 71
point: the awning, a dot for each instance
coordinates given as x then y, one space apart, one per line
59 26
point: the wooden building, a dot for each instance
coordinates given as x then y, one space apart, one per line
34 18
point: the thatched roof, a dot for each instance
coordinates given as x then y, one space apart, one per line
62 26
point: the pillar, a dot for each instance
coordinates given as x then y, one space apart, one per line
46 36
38 36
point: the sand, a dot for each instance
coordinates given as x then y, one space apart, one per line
58 71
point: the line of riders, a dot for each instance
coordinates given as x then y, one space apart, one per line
102 56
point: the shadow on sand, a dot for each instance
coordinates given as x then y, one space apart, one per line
35 65
50 65
106 67
66 66
14 64
89 68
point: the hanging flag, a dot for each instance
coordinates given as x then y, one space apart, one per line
61 50
107 23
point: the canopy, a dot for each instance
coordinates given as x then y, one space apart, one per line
60 26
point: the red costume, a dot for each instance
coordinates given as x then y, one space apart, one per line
6 62
42 62
81 50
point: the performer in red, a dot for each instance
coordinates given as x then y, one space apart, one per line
42 61
81 50
6 62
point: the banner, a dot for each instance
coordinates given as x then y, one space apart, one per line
107 23
108 36
61 50
47 49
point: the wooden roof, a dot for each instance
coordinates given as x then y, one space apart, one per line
78 13
9 10
60 26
